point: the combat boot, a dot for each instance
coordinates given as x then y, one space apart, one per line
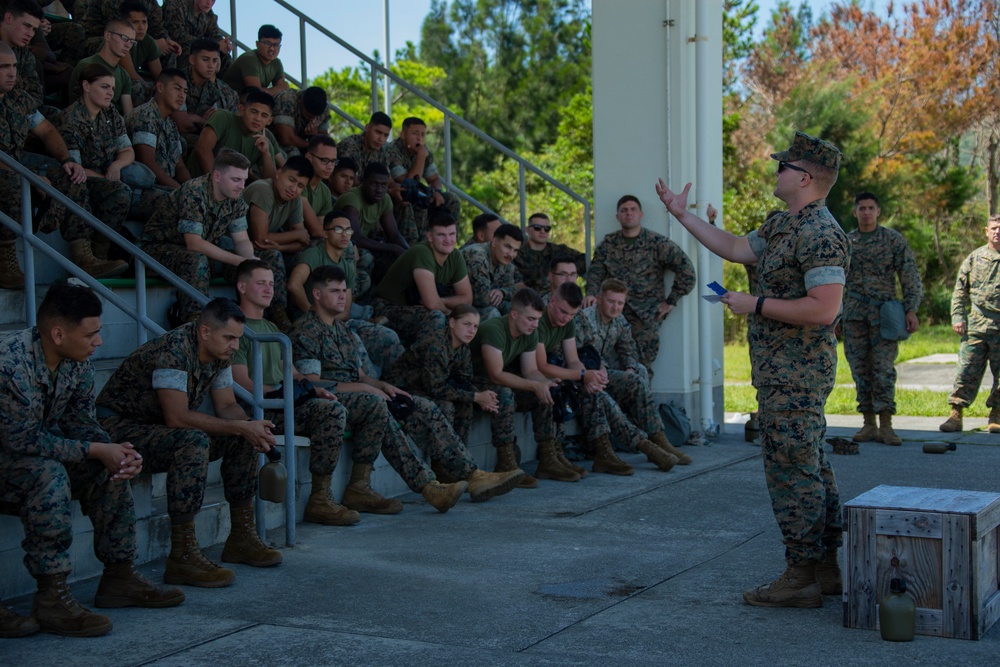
954 421
549 466
13 624
885 433
122 586
443 497
188 566
606 461
797 587
507 462
11 276
486 485
566 463
657 456
868 432
361 497
322 508
83 257
660 439
828 575
994 423
58 612
243 544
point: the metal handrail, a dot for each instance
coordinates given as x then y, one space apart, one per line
524 165
144 324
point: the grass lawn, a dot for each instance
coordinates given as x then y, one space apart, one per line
742 397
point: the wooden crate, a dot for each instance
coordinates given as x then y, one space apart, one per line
942 542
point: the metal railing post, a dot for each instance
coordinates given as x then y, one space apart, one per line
302 47
232 25
141 334
29 256
374 86
521 193
446 136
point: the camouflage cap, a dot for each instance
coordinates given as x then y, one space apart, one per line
812 149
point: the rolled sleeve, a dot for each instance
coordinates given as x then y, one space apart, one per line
223 379
238 225
141 138
309 366
825 275
185 226
170 378
757 244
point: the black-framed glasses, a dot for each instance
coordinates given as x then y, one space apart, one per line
541 228
269 45
341 230
326 161
126 40
785 165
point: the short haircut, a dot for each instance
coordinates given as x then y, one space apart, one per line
322 275
321 140
526 298
227 157
171 73
993 218
69 303
539 214
614 285
254 95
509 231
345 163
561 258
823 177
314 100
461 310
337 214
380 118
481 222
413 120
246 268
204 44
218 312
571 294
18 8
628 198
117 25
300 164
440 217
268 31
130 6
374 169
91 73
861 196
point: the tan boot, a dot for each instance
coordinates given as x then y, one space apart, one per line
11 276
566 463
83 257
657 456
122 586
507 462
244 544
660 438
443 497
322 508
58 612
188 566
797 587
606 461
486 485
828 575
954 421
885 433
361 497
994 422
13 624
549 466
869 431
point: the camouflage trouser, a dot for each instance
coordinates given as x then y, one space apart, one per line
601 416
501 423
541 414
276 261
363 281
429 426
632 393
193 268
873 365
150 199
647 338
490 312
799 478
412 221
184 454
978 347
42 488
56 216
323 422
411 322
109 201
381 343
373 429
69 39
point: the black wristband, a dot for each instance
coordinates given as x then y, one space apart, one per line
760 306
65 160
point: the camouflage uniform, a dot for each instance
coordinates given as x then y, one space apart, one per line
147 127
412 220
486 276
977 284
218 94
184 26
28 80
641 263
333 353
354 148
192 209
48 424
876 259
100 12
288 111
95 143
794 368
131 412
533 265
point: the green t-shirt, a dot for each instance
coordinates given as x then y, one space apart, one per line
123 82
270 353
144 52
316 257
399 278
496 333
552 336
369 215
228 128
280 216
249 64
321 199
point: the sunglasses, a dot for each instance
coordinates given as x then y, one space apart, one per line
784 165
540 228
